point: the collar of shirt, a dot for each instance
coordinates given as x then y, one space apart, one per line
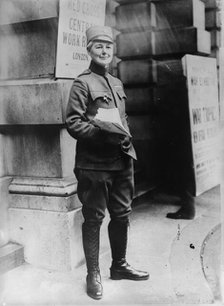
98 69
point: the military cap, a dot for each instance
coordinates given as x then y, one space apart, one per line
103 33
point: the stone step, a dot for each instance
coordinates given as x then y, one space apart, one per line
11 256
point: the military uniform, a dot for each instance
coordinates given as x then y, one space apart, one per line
103 166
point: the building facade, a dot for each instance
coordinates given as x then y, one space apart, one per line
39 208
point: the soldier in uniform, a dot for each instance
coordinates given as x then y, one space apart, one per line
104 161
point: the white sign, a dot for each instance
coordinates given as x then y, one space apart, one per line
75 17
201 73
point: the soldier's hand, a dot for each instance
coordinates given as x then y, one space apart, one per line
114 139
125 143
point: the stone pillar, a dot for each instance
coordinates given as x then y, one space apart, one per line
38 155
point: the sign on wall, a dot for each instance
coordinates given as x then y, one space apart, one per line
75 17
201 73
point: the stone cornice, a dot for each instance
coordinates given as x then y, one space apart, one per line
44 186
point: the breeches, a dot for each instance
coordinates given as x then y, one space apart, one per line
101 190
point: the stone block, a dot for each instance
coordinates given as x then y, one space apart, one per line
11 256
51 240
182 13
134 17
181 41
33 102
39 151
45 217
15 11
134 44
150 71
28 49
135 71
164 42
212 19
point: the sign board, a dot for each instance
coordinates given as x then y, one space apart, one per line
75 17
201 73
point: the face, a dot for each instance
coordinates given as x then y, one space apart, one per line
101 53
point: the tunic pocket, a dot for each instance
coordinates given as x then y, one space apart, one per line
101 97
120 92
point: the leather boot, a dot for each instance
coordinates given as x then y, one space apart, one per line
120 269
187 209
182 213
90 235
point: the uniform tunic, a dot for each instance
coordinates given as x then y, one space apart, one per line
104 162
96 149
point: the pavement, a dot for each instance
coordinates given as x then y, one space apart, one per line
182 257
